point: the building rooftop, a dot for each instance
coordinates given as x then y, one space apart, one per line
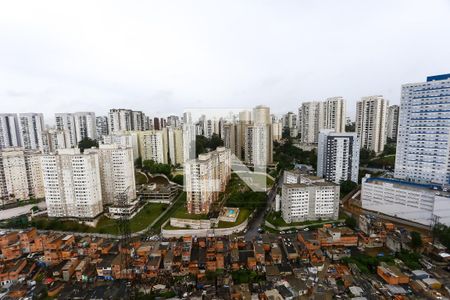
438 77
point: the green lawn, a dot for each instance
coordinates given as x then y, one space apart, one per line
243 215
105 225
181 212
180 201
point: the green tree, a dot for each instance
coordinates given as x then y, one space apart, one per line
157 168
350 127
286 134
389 149
178 179
87 143
204 144
416 240
366 155
346 187
215 141
351 222
442 233
138 162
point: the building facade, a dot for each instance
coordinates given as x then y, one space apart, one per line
407 200
205 178
338 156
317 115
306 198
85 126
126 120
175 141
371 114
153 145
54 139
277 131
101 124
392 122
423 134
66 122
124 139
9 131
20 175
31 126
116 172
72 184
258 139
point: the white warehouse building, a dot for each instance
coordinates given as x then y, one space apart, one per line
407 200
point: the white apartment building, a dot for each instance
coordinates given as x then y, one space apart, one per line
258 139
338 156
13 175
245 120
138 121
277 131
85 125
229 137
175 140
72 184
306 198
119 120
317 115
205 178
66 122
53 140
423 134
173 121
124 139
31 126
101 123
311 120
371 113
335 114
116 172
392 122
9 131
126 120
20 175
290 120
406 200
34 174
153 145
234 134
258 145
189 136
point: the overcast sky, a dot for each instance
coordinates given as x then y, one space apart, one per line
164 56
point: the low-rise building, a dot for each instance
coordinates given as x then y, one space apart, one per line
391 274
305 198
338 236
406 200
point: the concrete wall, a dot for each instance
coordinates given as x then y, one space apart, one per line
202 232
190 224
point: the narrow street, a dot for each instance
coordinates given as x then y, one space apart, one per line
258 219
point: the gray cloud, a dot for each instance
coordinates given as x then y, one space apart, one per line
164 56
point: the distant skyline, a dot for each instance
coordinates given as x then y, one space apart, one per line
162 57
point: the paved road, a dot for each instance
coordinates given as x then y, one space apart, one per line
258 219
20 210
